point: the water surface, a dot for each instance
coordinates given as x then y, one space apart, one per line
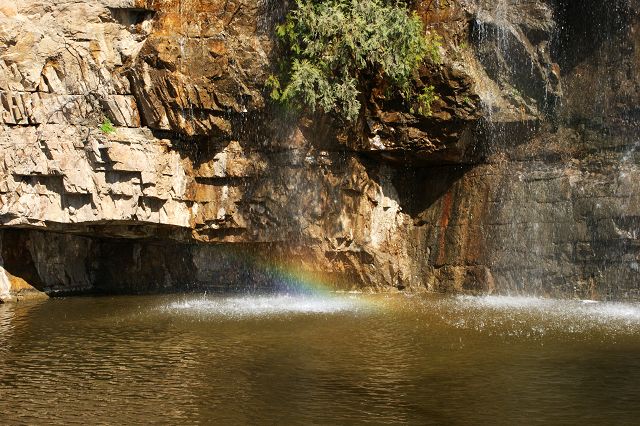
282 359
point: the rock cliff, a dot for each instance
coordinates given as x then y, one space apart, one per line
524 178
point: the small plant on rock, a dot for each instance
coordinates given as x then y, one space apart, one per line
336 48
107 126
425 99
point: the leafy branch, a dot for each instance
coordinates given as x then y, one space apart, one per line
335 49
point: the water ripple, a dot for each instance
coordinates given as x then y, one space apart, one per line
304 359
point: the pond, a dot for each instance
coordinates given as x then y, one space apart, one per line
319 359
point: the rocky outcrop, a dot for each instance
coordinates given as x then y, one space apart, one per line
196 156
553 209
518 181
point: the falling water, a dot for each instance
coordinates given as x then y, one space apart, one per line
571 224
305 354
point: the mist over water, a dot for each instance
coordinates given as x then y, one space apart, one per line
267 305
569 316
534 317
589 310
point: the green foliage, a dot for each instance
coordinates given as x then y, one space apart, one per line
336 47
107 126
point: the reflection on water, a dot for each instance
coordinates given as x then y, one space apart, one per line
333 359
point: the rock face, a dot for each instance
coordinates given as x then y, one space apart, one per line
524 179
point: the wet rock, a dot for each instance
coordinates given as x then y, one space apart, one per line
523 177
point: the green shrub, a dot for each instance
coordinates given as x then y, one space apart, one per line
337 47
107 126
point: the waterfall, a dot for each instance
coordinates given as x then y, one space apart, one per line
561 132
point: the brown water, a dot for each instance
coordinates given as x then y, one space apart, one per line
323 360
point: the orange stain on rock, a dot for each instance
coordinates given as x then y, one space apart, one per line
447 205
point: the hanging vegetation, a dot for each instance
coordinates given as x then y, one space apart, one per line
334 49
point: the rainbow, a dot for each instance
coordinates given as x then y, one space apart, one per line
293 278
290 276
